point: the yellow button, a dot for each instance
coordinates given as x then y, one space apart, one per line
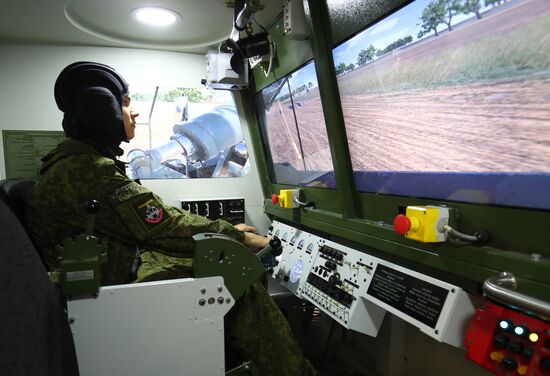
496 356
522 370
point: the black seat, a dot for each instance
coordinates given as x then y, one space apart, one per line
35 337
15 193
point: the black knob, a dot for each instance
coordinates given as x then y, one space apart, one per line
335 280
92 206
330 265
275 244
528 353
339 256
500 341
516 347
509 363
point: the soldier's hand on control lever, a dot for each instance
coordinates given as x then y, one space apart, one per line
251 239
244 227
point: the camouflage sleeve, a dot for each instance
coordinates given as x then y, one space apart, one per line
155 225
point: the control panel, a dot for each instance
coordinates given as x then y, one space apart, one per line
231 210
357 289
509 343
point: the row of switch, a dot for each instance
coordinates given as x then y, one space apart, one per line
331 253
508 363
330 289
231 210
507 342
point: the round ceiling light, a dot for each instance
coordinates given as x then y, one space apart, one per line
155 16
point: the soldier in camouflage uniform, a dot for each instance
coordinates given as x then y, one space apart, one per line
97 118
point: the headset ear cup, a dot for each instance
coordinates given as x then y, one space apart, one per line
70 126
99 115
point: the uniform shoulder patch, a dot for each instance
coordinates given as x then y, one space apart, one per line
150 212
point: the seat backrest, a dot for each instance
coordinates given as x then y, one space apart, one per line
15 193
35 337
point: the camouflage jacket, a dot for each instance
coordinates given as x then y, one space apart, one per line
130 215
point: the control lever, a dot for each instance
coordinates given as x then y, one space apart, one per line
92 208
274 247
80 258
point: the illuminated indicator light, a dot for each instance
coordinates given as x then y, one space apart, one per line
519 330
296 271
533 337
522 370
496 356
504 325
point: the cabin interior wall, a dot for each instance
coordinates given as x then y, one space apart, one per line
28 75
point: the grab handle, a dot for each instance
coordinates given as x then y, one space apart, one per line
501 288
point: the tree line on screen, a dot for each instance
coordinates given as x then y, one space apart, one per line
437 12
296 91
440 12
370 53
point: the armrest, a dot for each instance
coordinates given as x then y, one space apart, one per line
220 255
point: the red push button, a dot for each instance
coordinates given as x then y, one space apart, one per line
275 198
401 224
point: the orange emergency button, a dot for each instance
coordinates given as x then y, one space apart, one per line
275 198
401 224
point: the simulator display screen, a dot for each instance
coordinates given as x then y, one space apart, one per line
293 130
450 99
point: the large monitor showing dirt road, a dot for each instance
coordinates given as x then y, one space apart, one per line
293 130
450 100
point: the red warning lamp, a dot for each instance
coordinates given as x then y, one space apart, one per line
401 224
275 198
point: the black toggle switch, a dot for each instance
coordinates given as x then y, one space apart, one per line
500 341
516 347
528 353
509 363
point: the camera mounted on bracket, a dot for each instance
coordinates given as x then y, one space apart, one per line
226 68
